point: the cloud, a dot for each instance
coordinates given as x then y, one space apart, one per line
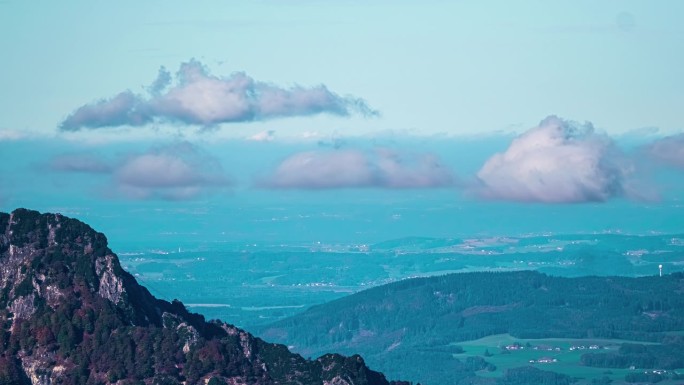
176 172
85 163
264 136
559 161
199 98
10 135
668 150
172 173
125 108
383 168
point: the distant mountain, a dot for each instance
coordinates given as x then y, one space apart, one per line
72 315
417 323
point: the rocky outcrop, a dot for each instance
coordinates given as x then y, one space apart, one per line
72 315
22 307
110 286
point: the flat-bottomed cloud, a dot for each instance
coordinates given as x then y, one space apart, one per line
176 172
345 168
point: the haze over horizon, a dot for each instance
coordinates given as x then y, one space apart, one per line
345 121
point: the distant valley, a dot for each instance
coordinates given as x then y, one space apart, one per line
253 284
259 285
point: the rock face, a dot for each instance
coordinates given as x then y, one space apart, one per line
72 315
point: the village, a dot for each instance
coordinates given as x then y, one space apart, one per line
547 348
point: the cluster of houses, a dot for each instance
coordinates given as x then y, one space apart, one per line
590 347
517 346
541 360
544 360
548 348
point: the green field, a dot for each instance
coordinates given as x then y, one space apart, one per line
568 361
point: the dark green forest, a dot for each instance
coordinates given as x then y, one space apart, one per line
668 355
393 325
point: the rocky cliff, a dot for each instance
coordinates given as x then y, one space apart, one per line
72 315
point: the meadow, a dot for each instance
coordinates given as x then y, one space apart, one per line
566 352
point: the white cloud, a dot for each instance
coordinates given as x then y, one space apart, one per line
173 173
558 162
398 170
264 136
342 168
9 135
199 98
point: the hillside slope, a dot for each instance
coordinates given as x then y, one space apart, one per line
419 322
72 315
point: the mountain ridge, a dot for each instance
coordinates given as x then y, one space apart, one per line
72 315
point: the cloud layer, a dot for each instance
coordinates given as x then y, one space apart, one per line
176 172
383 168
669 150
9 135
199 98
172 173
85 163
557 162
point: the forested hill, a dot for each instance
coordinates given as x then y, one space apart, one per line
390 324
71 315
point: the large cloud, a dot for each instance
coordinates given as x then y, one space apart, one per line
669 150
199 98
383 168
175 172
558 162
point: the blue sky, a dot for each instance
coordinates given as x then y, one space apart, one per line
428 67
114 107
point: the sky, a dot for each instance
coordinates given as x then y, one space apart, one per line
346 120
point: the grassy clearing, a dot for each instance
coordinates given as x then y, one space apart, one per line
567 360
